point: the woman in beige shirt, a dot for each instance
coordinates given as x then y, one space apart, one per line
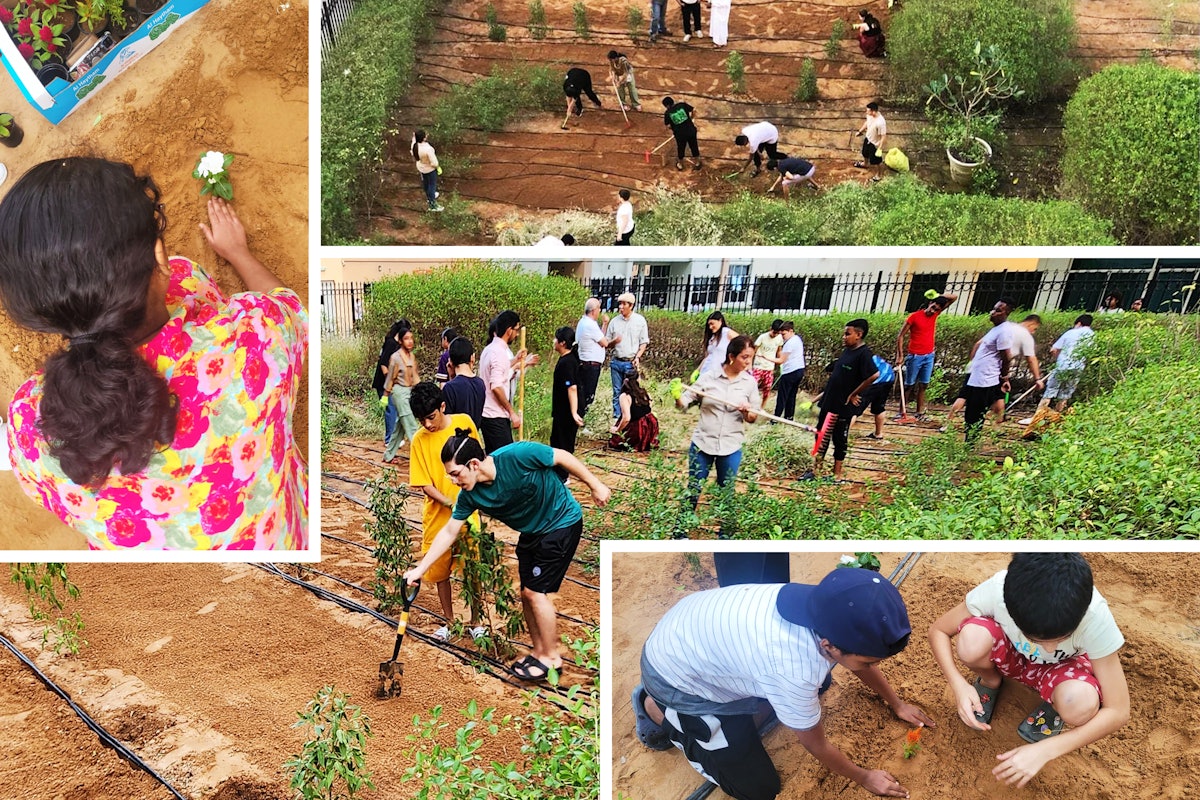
729 398
402 376
427 165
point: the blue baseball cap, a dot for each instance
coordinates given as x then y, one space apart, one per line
857 610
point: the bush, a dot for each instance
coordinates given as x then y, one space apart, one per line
581 21
635 22
735 67
537 20
466 295
489 103
496 31
371 65
929 38
346 365
807 88
332 764
834 42
678 218
1132 135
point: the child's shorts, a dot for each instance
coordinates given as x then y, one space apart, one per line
1061 384
876 397
1042 678
765 378
542 559
918 369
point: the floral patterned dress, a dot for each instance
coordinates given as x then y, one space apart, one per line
233 479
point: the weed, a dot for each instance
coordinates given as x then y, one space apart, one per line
635 21
735 68
332 763
393 548
537 20
42 584
456 217
806 90
496 31
834 43
581 20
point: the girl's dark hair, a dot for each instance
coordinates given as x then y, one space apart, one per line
708 334
461 448
400 336
77 254
449 335
566 335
736 345
418 137
632 387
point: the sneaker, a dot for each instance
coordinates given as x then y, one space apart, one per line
687 37
1026 421
442 634
679 165
696 165
478 633
943 429
653 38
438 207
436 195
755 173
698 35
637 108
922 417
808 475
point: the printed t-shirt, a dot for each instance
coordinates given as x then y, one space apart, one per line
766 347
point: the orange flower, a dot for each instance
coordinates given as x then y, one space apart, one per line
914 736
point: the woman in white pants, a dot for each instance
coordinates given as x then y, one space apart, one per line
718 21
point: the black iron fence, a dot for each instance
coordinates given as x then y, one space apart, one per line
1160 285
333 14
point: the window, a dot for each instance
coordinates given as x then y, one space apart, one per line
923 282
1020 287
739 279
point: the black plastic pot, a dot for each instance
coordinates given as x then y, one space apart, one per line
133 18
52 70
148 7
15 135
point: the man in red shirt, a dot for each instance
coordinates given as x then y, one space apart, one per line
918 364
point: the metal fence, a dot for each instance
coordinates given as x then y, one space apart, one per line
1162 285
333 14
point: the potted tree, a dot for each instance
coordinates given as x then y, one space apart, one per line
966 110
10 132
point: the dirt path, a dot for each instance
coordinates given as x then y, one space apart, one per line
234 78
1154 599
535 167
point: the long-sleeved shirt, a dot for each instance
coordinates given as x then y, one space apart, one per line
722 429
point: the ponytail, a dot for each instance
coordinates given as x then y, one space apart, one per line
461 448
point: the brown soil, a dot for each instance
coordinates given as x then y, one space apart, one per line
235 79
1154 598
532 167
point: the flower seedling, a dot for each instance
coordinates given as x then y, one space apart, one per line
213 169
912 742
860 561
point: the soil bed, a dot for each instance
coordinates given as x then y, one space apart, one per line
533 169
1154 598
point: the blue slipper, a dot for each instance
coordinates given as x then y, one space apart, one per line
650 733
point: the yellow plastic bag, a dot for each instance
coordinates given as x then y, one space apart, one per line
896 160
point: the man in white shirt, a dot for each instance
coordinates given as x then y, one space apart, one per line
629 337
715 653
874 133
1024 346
990 370
589 337
791 371
1068 365
624 218
759 138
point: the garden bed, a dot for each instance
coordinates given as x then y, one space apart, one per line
532 170
1153 598
235 78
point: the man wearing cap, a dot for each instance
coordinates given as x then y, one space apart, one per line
589 336
716 653
628 336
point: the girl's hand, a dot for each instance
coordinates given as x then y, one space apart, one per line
225 233
966 701
1020 765
911 714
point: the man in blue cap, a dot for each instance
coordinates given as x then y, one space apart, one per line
716 653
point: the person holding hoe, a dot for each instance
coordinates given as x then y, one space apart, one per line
920 327
680 118
621 74
852 374
577 83
716 654
761 137
517 486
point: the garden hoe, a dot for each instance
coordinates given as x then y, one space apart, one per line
904 418
759 413
391 672
660 147
620 102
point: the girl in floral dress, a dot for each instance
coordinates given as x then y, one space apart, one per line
166 423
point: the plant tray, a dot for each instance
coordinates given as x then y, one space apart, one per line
61 97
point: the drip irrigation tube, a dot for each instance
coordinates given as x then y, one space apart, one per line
106 738
897 577
472 658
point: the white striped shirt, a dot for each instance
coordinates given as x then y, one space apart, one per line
731 643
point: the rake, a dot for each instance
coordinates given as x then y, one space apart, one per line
660 147
620 102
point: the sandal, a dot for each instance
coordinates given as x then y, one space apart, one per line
987 699
649 732
860 165
1042 723
524 669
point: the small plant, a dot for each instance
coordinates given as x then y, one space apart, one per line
393 548
807 88
537 20
42 584
912 742
581 21
93 14
484 579
836 35
860 561
10 133
456 217
332 763
969 103
213 169
735 67
496 31
635 21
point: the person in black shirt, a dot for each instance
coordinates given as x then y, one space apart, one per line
565 421
851 375
577 84
465 391
679 118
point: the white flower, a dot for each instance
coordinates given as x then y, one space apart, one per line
848 560
212 163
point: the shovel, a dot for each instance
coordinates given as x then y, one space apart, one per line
391 672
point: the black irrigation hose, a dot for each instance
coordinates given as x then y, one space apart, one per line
106 738
906 564
471 658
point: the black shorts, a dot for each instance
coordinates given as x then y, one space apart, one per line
876 396
870 154
543 558
962 393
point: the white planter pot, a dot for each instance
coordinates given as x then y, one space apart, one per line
961 171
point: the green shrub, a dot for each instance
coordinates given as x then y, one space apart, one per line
1132 135
332 764
806 90
346 365
388 528
455 217
537 20
735 68
581 21
371 65
487 104
496 31
42 584
467 295
635 22
834 42
678 218
929 38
